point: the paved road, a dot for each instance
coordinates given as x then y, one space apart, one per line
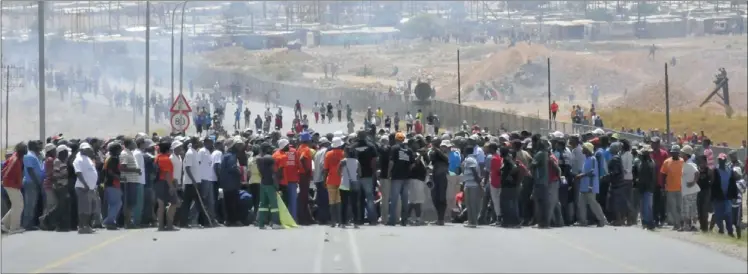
288 115
449 249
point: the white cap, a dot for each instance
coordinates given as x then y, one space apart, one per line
60 148
446 143
49 147
323 140
283 143
558 134
337 142
338 134
85 146
176 144
598 131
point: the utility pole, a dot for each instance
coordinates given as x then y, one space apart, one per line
667 106
148 66
12 79
459 84
549 96
42 83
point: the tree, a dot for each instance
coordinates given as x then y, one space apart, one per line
425 26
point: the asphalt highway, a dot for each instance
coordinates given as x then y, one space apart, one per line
321 249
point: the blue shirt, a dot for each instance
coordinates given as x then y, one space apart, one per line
590 166
244 195
479 154
467 171
238 114
198 119
601 161
454 161
724 179
31 161
230 178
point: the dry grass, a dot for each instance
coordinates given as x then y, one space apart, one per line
718 127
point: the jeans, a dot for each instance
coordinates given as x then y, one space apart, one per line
293 196
723 212
149 204
30 198
209 198
113 204
541 197
137 208
323 203
509 199
367 185
399 190
646 209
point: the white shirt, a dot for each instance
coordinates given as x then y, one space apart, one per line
690 172
206 165
627 160
215 157
85 166
191 160
176 161
141 163
318 164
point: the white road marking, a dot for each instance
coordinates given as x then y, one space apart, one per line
355 257
320 251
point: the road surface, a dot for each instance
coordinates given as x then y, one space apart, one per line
288 116
320 249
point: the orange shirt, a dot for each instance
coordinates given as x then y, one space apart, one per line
291 172
332 162
305 159
166 168
674 171
281 161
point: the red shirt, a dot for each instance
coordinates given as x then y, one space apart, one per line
13 172
495 172
459 197
659 157
48 167
554 107
291 172
305 160
553 173
418 128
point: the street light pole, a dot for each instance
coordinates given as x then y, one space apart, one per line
181 50
173 14
147 66
40 70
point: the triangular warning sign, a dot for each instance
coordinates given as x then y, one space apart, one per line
180 105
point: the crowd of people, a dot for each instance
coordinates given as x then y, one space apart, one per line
373 175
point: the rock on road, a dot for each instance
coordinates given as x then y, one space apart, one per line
380 249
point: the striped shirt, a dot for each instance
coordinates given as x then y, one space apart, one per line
127 161
60 172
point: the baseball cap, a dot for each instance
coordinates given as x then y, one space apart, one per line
305 136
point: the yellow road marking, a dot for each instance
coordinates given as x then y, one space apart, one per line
81 253
599 256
